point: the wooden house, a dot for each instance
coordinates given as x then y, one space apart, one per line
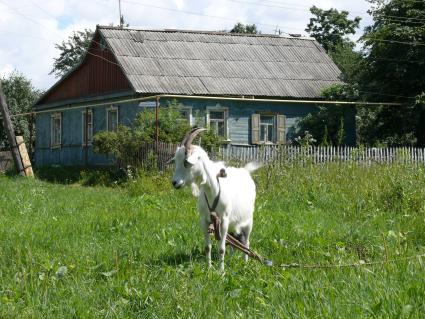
251 89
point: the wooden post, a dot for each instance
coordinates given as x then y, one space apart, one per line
157 120
7 124
26 162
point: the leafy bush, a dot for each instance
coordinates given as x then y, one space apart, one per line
124 144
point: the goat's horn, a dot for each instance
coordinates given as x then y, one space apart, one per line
187 135
187 142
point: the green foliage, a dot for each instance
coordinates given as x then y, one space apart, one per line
244 28
349 61
395 51
20 96
395 69
96 252
326 125
71 52
305 140
325 138
172 125
331 27
125 143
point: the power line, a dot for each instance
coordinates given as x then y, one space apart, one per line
396 41
302 8
201 14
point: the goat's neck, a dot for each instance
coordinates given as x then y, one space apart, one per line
211 186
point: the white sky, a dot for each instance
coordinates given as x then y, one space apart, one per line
29 29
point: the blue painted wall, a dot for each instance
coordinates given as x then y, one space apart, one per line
239 122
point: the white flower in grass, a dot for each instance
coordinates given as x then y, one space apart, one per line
62 270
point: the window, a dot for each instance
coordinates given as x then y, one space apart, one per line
268 128
87 126
56 130
217 121
111 119
186 113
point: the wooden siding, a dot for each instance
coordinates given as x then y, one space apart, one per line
97 75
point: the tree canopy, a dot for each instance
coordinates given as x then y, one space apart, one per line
331 27
71 52
244 28
20 96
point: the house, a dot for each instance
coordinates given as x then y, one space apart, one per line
251 89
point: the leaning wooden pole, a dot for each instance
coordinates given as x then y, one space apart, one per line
7 124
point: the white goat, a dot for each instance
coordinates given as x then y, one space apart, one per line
234 194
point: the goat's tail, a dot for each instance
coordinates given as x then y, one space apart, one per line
252 166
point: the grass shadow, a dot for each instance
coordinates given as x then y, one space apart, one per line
180 258
86 176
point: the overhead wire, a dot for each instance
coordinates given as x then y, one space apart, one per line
302 8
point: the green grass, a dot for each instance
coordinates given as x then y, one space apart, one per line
136 251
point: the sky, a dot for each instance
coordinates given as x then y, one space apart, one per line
29 29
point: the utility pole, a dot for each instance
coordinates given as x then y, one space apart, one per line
7 124
121 16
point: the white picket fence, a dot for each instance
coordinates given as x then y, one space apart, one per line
317 154
240 154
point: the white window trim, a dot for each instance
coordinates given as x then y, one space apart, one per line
226 120
112 108
53 117
188 108
83 113
274 131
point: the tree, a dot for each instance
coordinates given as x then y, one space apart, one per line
20 95
394 49
331 27
71 52
244 28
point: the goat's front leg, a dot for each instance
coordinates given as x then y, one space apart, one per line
207 239
222 243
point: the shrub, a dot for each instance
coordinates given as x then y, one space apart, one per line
125 143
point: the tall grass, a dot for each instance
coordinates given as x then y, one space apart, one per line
69 251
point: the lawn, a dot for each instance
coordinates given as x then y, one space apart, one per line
135 250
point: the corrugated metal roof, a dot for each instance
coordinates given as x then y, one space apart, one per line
212 63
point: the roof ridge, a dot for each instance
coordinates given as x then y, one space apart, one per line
224 33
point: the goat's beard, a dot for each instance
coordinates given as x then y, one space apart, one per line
195 189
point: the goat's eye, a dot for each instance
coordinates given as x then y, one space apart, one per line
187 164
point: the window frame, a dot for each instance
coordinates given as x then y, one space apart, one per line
274 129
53 117
108 110
188 109
90 131
225 110
279 128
